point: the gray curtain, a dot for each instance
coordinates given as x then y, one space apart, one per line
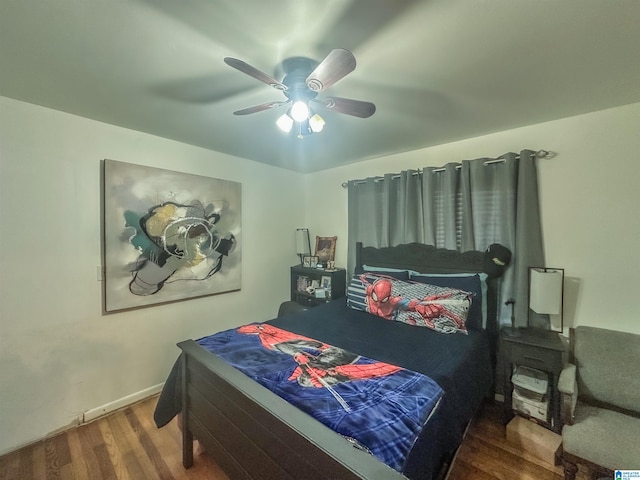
528 242
465 206
383 211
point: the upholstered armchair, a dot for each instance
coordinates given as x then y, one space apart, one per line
600 394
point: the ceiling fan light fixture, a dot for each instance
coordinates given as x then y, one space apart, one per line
285 122
316 123
304 79
300 111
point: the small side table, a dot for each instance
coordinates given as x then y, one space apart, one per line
336 279
539 349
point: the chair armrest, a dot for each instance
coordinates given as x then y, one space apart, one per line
568 388
567 380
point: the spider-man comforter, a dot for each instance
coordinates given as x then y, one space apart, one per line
380 406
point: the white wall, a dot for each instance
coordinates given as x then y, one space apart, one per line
590 194
59 356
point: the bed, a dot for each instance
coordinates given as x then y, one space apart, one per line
254 433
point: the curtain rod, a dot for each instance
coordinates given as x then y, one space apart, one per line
538 154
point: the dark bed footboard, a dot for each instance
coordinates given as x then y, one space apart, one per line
254 434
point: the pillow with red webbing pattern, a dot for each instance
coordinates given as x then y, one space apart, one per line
442 309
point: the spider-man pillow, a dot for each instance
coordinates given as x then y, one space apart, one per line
442 309
475 283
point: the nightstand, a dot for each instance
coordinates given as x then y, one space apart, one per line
539 349
334 280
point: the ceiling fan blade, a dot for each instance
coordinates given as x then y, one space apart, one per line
357 108
335 66
254 72
260 108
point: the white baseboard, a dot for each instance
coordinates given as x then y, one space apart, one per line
94 413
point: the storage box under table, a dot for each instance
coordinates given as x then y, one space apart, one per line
530 383
530 388
531 408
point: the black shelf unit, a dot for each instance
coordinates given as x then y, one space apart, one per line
338 281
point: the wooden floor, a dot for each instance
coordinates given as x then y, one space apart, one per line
126 445
486 454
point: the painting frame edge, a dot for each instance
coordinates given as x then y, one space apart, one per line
106 273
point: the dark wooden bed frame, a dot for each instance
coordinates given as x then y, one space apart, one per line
254 434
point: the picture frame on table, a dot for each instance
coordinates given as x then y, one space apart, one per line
310 261
325 282
302 283
326 249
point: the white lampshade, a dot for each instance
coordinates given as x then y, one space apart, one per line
316 123
285 122
545 291
300 111
303 242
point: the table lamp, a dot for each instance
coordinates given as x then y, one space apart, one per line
303 243
546 292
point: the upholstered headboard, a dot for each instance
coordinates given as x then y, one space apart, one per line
429 259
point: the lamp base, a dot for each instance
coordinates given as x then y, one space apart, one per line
512 331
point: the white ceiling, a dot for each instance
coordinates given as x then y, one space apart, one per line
437 70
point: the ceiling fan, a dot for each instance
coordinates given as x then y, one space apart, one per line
304 79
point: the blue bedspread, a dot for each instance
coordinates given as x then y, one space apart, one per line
381 406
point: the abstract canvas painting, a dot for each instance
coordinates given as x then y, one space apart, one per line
168 236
